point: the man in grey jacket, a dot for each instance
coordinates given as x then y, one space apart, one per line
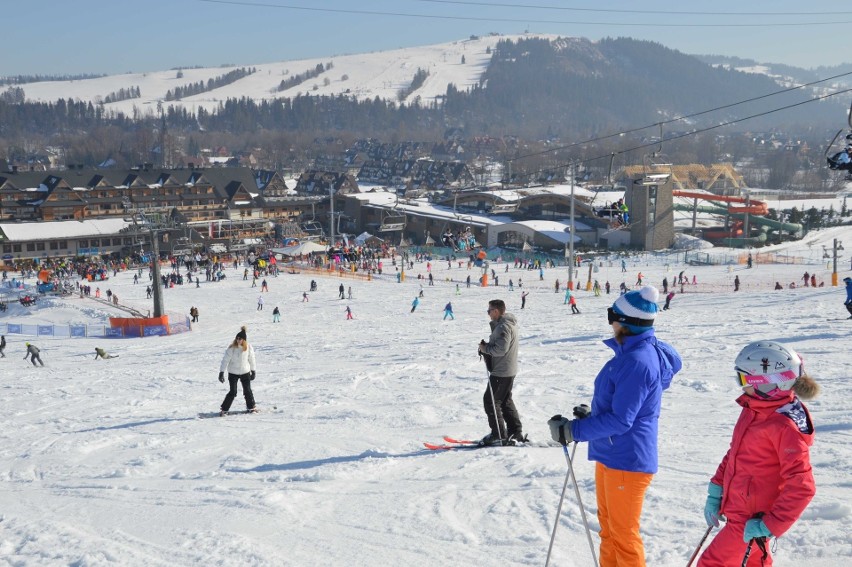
501 357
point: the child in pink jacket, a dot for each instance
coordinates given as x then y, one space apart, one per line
765 480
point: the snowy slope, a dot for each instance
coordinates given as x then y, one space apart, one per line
369 75
107 462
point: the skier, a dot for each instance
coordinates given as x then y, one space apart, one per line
736 283
304 296
341 292
607 286
193 312
622 427
264 286
448 311
765 481
259 302
2 346
101 353
276 315
33 353
669 297
524 299
348 313
240 364
848 303
597 288
501 359
414 304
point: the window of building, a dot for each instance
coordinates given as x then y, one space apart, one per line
30 246
40 246
82 244
16 248
116 242
7 248
105 241
54 245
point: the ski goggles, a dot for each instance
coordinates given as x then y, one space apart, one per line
614 317
765 382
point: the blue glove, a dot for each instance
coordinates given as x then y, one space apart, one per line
560 429
714 502
755 528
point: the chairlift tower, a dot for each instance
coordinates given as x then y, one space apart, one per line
152 221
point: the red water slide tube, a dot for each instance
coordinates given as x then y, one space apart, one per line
754 207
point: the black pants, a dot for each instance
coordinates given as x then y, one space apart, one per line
501 386
245 379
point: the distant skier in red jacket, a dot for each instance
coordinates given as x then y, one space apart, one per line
765 480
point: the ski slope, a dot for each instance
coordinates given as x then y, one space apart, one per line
106 462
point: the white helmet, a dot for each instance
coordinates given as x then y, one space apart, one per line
767 366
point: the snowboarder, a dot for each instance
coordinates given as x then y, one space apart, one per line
448 311
33 353
573 302
276 315
414 304
771 442
101 353
501 359
240 363
622 427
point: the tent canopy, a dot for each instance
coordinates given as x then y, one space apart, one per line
307 247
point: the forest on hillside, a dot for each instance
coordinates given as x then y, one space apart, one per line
534 89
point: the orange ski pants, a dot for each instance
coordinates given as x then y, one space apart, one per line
620 495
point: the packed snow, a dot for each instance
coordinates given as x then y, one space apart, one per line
107 462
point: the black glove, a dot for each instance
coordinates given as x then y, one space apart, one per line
582 411
222 377
252 375
560 429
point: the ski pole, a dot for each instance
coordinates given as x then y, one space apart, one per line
494 405
698 549
580 502
761 543
559 509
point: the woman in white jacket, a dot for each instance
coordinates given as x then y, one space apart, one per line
239 362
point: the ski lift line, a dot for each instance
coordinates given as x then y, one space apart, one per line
515 20
678 118
694 132
614 11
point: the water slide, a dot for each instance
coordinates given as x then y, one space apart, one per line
755 210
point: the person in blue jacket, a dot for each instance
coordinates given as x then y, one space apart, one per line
848 303
622 427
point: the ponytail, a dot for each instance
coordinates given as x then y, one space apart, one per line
806 387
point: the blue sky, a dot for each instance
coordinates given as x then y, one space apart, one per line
115 36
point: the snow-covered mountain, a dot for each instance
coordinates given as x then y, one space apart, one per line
380 74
